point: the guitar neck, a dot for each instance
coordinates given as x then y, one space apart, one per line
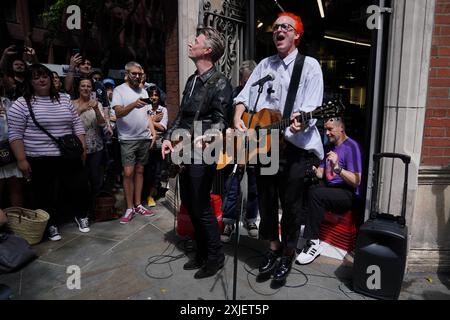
284 123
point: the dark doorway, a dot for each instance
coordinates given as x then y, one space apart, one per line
340 41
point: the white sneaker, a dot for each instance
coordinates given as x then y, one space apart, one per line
53 233
83 224
311 251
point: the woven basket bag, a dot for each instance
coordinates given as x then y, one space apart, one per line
27 223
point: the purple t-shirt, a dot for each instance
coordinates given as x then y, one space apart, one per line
349 155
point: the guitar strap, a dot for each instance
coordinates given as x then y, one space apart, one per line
293 85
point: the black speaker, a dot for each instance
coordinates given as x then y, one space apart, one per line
380 258
381 245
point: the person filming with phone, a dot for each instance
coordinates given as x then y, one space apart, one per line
135 129
14 62
80 67
91 114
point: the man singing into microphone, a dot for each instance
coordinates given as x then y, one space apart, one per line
303 144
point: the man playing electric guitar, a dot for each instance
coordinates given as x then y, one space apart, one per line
303 142
206 97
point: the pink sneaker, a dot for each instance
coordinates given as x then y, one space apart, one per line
128 216
140 209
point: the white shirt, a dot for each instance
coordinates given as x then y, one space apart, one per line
309 95
134 126
165 119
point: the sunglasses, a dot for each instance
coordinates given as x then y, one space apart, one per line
136 74
284 27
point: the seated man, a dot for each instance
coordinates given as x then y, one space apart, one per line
342 168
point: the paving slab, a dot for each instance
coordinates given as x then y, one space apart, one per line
143 260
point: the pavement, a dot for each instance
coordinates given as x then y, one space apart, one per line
143 260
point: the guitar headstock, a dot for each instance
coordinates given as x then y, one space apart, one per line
330 109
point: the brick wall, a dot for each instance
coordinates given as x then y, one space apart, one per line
172 82
436 143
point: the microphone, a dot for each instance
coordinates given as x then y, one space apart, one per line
261 81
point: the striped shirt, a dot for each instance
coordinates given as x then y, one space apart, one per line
58 118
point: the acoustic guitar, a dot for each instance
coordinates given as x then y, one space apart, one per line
268 119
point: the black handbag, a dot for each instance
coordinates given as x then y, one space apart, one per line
15 252
70 145
6 154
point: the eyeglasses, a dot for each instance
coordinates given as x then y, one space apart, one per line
136 74
284 27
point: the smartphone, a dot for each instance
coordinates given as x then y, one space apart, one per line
75 51
20 49
147 100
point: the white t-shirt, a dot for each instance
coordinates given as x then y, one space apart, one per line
134 126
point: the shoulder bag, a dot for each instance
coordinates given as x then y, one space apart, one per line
70 145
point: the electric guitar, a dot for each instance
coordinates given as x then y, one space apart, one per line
175 168
268 119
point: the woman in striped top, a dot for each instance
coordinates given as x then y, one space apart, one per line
39 158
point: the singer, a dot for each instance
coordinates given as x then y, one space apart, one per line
289 95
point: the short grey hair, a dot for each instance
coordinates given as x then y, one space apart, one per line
247 65
339 121
215 41
132 64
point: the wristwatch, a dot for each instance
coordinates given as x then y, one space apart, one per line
337 170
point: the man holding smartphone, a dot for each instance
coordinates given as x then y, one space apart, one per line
135 131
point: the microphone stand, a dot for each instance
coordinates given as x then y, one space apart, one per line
244 191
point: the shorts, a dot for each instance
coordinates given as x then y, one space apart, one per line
134 152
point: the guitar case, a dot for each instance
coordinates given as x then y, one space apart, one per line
381 245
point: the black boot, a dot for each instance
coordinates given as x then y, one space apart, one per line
193 264
283 268
269 262
208 270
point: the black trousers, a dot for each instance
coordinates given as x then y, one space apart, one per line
59 187
322 199
195 187
152 172
287 188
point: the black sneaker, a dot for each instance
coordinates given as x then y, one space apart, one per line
227 232
252 229
83 224
53 233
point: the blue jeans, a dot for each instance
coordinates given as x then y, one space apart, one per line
231 197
